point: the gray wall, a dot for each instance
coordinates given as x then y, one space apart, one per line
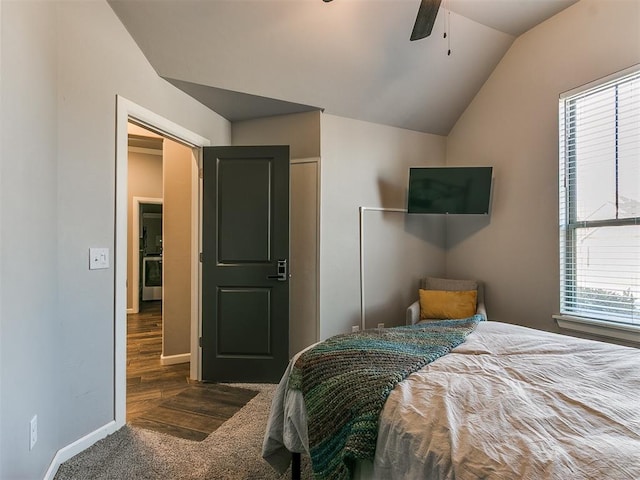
301 131
399 250
29 321
365 164
513 124
63 63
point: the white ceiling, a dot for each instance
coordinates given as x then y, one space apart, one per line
353 58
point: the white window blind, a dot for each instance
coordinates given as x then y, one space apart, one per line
600 201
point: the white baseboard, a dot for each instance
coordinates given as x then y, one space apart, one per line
173 359
78 446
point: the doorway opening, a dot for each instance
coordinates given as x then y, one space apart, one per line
173 354
159 278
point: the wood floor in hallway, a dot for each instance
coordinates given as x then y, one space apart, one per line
148 381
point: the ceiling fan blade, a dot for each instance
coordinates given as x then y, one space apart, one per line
426 18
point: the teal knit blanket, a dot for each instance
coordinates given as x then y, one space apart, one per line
346 379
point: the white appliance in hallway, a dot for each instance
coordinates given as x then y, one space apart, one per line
151 251
152 278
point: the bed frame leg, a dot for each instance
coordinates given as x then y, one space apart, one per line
295 466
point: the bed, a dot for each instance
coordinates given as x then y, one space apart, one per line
508 403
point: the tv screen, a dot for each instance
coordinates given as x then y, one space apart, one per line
449 190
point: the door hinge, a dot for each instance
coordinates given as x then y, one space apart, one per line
200 257
200 172
200 342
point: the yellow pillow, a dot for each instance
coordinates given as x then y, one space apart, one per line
443 304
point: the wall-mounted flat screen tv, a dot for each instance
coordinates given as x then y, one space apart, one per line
450 190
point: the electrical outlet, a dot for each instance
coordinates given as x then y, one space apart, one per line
33 432
355 328
381 325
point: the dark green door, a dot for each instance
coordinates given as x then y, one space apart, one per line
245 284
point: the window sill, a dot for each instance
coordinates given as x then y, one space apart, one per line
603 328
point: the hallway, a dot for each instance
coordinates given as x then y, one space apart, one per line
148 381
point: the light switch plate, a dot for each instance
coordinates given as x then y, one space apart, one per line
98 258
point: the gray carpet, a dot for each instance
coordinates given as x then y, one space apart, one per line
231 452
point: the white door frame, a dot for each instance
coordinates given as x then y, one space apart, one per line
134 281
125 111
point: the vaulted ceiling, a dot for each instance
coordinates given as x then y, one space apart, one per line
352 58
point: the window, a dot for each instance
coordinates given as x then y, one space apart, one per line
600 201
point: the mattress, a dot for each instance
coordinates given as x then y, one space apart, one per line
510 402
